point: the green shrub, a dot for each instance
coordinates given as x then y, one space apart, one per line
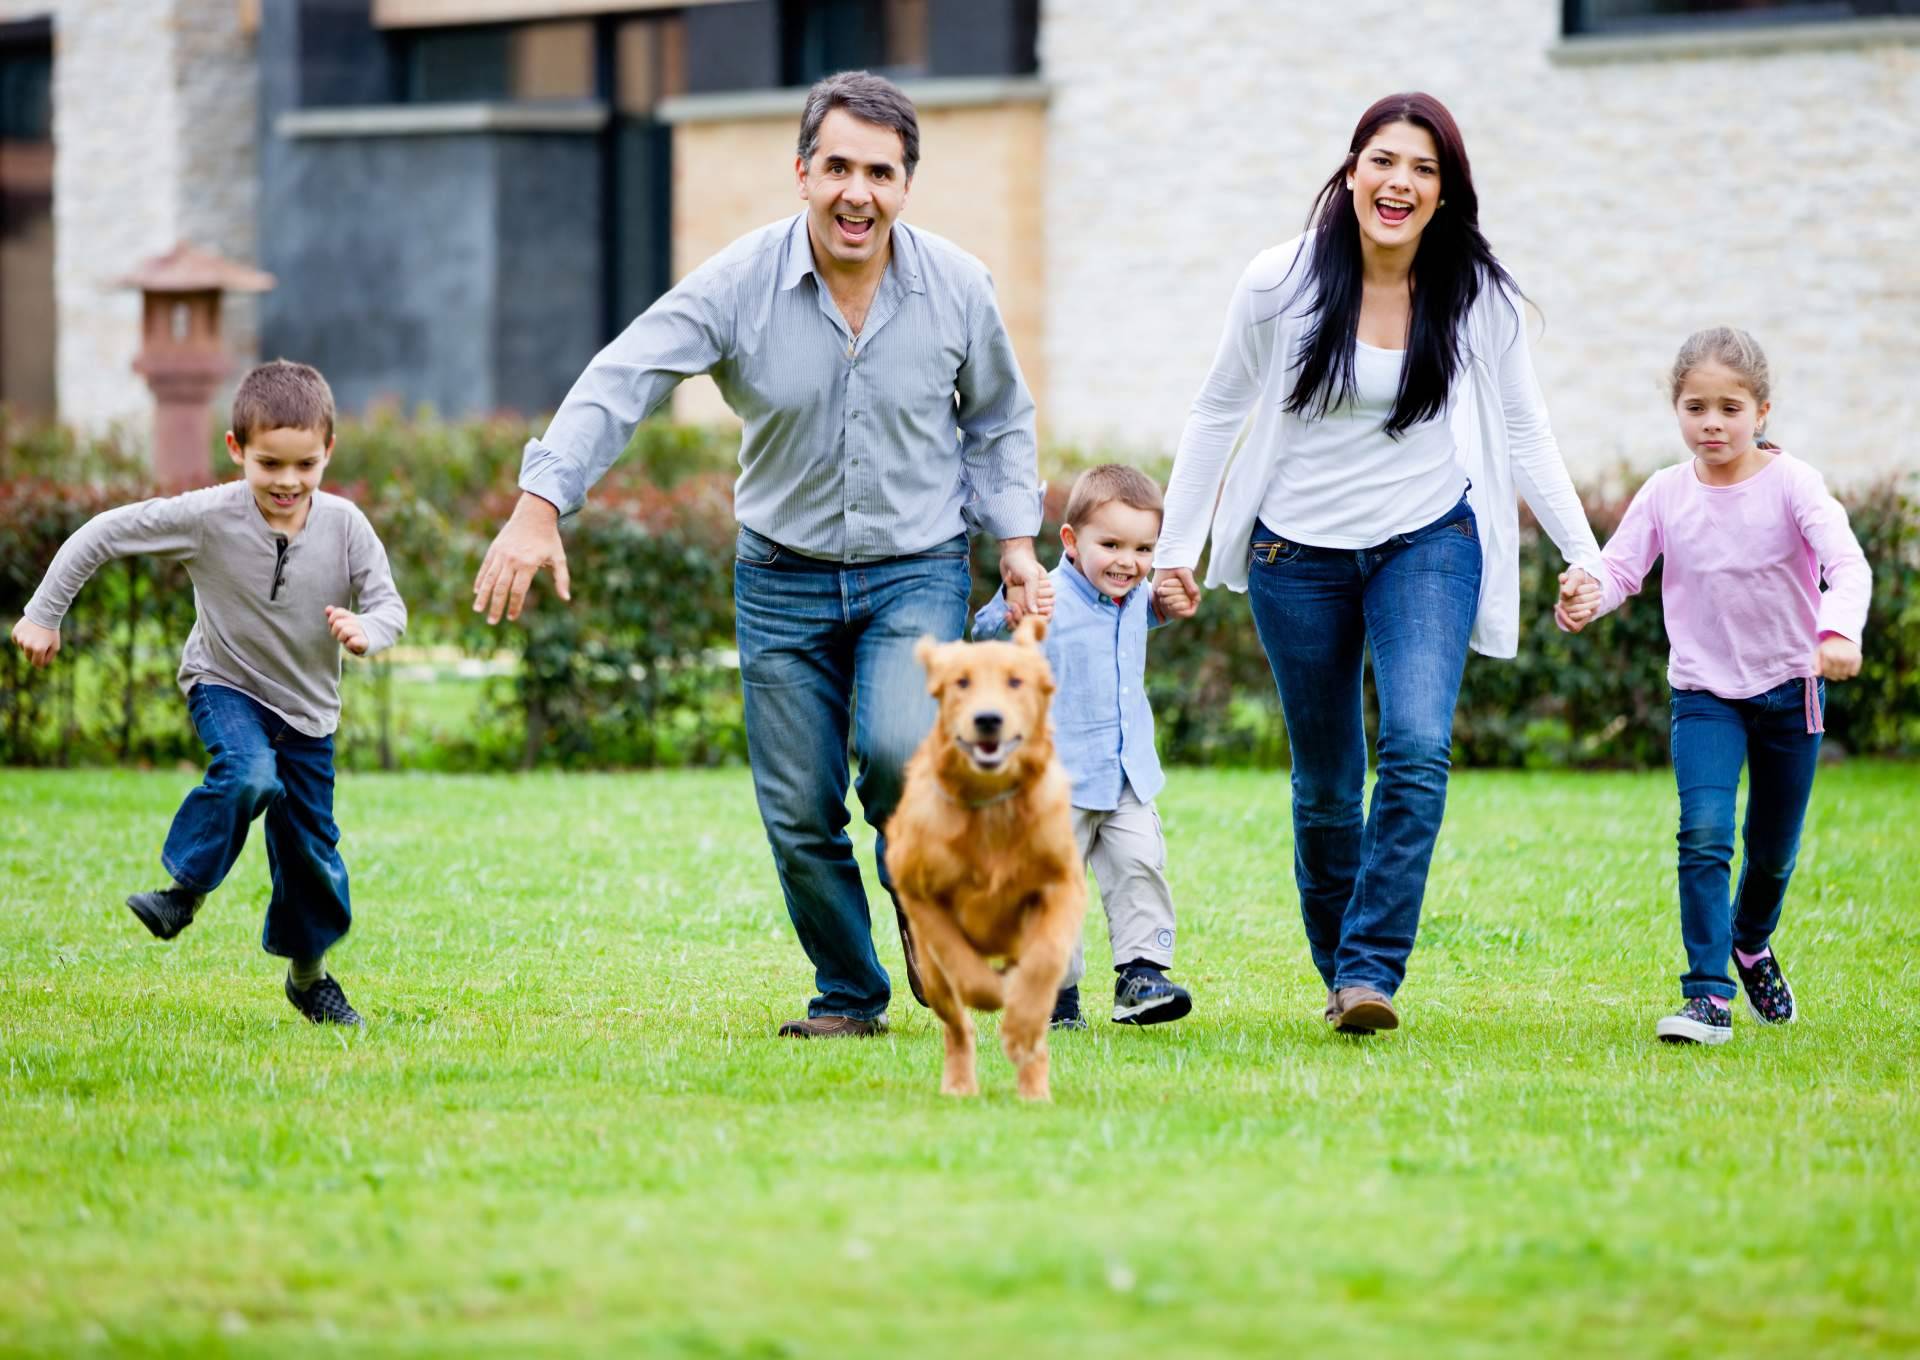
638 669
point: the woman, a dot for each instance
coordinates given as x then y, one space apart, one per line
1394 411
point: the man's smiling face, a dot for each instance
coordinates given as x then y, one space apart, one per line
855 185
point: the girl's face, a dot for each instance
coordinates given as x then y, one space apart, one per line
1719 420
1396 185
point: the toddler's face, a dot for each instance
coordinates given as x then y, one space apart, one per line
1114 548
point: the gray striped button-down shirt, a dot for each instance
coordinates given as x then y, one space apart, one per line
855 447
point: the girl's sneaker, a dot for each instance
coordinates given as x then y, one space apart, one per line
1697 1022
1768 996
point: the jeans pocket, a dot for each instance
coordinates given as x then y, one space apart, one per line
1271 552
755 550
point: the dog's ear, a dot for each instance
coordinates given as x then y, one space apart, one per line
924 652
1031 631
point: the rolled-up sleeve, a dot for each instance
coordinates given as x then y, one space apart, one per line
999 452
685 333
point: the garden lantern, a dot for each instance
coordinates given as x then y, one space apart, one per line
181 356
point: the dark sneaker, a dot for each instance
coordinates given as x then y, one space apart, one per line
1768 996
167 912
833 1027
323 1003
1697 1022
1361 1010
1066 1010
1143 996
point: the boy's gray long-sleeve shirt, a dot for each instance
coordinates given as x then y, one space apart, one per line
261 597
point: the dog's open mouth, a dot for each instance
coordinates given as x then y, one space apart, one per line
988 755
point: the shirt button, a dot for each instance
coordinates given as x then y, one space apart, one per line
854 416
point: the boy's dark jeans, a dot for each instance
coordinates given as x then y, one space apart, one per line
1410 603
1712 738
261 764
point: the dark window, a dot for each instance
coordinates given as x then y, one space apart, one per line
819 37
542 61
26 81
1660 16
28 317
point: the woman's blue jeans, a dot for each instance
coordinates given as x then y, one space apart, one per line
1409 601
1712 738
262 764
826 647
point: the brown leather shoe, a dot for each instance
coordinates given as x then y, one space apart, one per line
906 949
1362 1010
1333 1008
833 1027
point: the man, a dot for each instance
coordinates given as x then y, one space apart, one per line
884 413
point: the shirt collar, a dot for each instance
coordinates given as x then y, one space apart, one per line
1089 593
903 265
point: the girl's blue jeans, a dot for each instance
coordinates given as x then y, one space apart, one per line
1712 739
261 764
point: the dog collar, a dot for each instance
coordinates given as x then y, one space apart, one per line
983 803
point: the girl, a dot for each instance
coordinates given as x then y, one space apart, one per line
1371 509
1747 532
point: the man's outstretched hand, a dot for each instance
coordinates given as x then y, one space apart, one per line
529 541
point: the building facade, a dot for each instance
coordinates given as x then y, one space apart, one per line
463 199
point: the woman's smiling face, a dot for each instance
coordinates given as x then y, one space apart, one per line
1396 185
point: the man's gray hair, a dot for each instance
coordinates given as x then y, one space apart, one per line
870 98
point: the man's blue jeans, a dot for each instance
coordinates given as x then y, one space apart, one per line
826 647
1712 738
262 764
1411 602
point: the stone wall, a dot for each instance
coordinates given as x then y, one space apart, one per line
1635 199
154 111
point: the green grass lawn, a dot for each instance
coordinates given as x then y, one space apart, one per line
567 1126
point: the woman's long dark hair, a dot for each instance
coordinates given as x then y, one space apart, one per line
1451 265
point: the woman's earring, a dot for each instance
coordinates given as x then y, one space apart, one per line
1443 202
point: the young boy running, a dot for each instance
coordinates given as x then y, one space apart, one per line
284 576
1103 730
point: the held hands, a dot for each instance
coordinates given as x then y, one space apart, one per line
1029 589
1579 600
347 630
1175 592
41 643
529 541
1836 658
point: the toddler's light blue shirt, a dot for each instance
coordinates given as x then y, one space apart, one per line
1102 723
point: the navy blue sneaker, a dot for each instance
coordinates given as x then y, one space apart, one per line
1066 1010
1143 996
167 912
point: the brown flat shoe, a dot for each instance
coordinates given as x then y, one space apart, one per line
833 1027
1333 1008
1362 1010
906 949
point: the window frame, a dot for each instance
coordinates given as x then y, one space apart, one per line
1576 20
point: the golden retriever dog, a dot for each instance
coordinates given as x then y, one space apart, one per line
982 855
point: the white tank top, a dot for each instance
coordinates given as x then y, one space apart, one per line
1341 482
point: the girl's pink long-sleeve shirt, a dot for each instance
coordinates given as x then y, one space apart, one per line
1741 584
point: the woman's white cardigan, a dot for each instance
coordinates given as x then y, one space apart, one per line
1500 434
